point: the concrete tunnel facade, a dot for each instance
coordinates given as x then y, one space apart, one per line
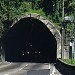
30 40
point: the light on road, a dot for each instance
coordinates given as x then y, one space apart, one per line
6 74
23 54
27 52
35 52
39 52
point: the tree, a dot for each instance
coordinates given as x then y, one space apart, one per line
72 8
47 6
56 12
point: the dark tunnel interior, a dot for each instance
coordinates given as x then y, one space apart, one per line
29 40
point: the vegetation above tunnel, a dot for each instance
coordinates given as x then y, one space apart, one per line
12 9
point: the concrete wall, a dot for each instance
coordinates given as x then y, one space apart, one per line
64 68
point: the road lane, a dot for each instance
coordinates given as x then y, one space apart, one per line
11 68
29 69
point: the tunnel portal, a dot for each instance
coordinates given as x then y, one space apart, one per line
29 40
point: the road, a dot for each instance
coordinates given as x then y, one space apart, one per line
28 69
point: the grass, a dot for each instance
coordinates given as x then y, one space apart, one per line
69 61
38 11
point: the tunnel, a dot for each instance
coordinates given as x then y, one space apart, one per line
29 40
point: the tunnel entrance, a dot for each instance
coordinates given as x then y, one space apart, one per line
29 40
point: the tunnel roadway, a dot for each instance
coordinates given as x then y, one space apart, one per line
28 69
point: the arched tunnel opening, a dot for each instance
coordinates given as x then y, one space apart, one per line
29 40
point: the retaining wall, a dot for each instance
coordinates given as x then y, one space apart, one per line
64 68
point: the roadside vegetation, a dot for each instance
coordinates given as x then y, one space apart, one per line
69 61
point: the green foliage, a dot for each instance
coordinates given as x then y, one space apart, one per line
19 7
38 11
25 6
36 4
69 61
22 9
70 7
1 28
10 10
3 10
47 6
72 4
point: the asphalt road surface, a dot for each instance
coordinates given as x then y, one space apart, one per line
28 69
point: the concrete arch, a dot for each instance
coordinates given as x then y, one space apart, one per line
49 25
28 46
